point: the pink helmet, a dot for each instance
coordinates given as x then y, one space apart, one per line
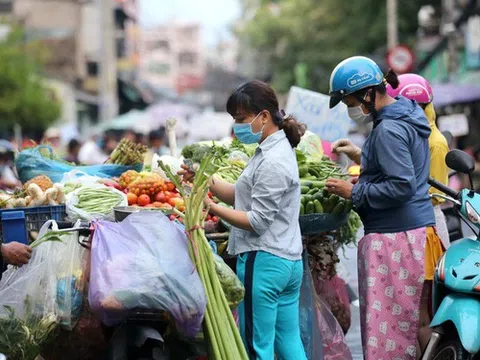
413 87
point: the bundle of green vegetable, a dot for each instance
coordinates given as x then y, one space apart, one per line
316 200
128 153
319 170
225 167
221 330
98 200
347 234
24 339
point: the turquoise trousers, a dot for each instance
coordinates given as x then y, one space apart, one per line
269 314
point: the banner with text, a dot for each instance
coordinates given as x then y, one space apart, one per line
311 108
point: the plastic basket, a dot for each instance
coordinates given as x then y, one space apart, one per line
318 223
35 217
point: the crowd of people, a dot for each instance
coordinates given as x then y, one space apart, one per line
93 151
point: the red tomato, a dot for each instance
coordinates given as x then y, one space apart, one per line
132 198
170 186
172 202
143 200
210 195
160 197
215 218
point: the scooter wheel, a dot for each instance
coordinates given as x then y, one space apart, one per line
452 350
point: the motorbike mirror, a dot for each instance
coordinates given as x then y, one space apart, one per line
460 161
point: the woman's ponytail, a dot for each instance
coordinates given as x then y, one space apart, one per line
392 79
293 129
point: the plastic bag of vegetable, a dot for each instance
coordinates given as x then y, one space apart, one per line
309 328
311 145
143 263
33 298
41 161
94 202
231 284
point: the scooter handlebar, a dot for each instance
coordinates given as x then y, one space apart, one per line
443 188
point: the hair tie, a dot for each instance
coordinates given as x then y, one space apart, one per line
283 115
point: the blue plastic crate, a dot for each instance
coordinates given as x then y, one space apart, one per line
35 217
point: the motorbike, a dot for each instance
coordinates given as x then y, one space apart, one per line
456 286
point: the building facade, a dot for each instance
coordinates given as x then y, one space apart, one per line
172 56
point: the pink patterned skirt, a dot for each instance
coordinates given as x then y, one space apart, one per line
391 275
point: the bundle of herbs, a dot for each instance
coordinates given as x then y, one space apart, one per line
224 338
24 339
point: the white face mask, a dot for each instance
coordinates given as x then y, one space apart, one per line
356 114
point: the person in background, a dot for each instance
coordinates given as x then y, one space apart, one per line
52 137
415 87
74 147
156 140
130 135
15 254
392 199
8 177
91 152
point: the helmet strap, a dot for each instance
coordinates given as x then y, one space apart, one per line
369 105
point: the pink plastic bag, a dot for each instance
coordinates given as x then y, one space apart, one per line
335 294
334 344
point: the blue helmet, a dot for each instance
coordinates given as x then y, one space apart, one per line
351 75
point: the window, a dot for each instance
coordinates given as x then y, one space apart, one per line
162 45
187 59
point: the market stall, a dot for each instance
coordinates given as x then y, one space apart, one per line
141 243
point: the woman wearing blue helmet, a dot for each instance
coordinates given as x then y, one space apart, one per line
392 199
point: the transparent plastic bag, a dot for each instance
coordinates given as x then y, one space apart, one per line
309 328
74 213
311 145
79 177
334 293
51 285
143 263
334 344
231 284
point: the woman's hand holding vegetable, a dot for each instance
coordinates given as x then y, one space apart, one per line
15 253
345 146
338 187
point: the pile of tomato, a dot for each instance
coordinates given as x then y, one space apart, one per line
166 198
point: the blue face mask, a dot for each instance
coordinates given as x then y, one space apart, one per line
244 133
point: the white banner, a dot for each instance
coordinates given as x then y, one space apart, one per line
311 108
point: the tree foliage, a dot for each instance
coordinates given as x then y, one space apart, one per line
24 98
320 34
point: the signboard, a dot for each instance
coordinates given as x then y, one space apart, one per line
311 108
400 59
472 42
456 124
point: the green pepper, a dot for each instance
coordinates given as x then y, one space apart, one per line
304 189
348 206
310 209
318 207
303 170
339 208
